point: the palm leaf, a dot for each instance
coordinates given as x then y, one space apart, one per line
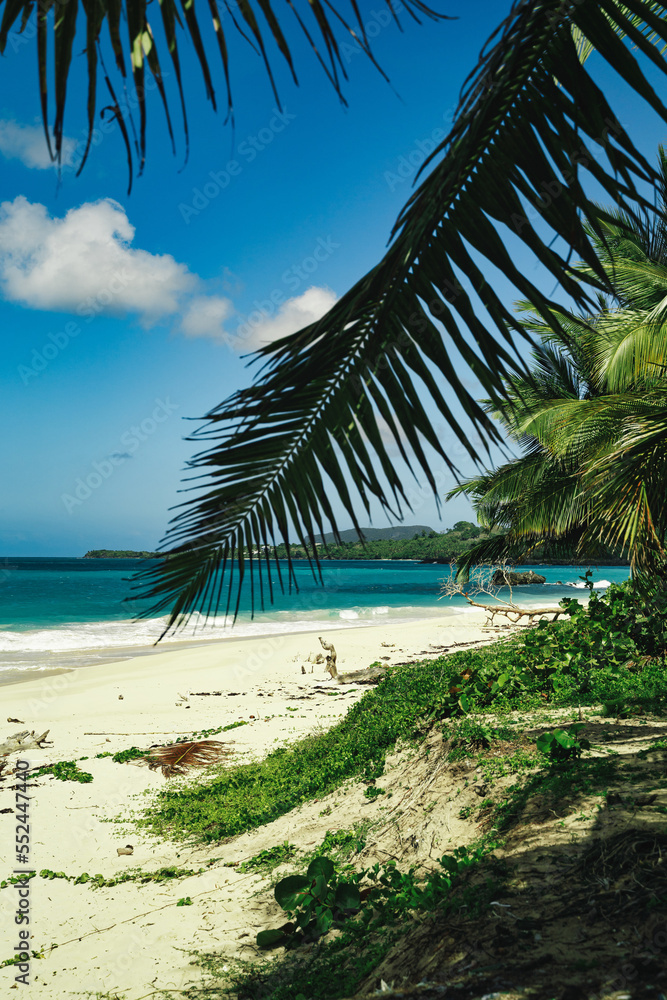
274 452
535 499
142 46
627 483
177 758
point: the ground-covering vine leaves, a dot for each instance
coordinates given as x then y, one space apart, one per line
610 652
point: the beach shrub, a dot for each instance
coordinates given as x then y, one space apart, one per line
611 652
563 746
100 882
313 902
340 844
372 792
322 897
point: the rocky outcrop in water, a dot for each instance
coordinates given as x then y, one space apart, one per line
505 578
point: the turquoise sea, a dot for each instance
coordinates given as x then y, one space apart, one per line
58 613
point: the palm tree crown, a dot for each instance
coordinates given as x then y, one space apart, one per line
591 417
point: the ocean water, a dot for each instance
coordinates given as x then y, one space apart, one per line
61 613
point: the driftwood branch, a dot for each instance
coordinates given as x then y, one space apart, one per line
371 675
511 610
330 664
485 580
25 740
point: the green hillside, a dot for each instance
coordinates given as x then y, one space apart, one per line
397 532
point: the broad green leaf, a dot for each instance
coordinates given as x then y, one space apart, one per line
289 889
450 864
266 939
323 921
321 867
545 742
347 896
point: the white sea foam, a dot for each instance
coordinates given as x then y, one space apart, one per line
102 635
598 585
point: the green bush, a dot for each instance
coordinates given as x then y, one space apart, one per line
611 653
563 746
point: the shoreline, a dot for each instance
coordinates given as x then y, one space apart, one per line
122 654
272 685
93 657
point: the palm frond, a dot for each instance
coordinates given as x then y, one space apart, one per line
512 165
325 26
630 350
627 485
177 758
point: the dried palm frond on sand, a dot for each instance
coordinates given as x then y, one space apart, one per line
178 757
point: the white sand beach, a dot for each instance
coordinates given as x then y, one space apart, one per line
131 940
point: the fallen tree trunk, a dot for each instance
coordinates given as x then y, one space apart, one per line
371 675
519 613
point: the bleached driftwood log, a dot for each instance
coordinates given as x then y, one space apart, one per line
369 676
25 740
518 613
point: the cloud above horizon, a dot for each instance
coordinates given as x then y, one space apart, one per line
84 263
204 316
262 327
27 143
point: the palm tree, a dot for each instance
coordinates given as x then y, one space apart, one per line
591 418
531 125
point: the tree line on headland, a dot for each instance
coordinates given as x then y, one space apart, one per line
426 545
120 554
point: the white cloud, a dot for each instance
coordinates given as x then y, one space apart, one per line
261 328
27 143
204 317
84 263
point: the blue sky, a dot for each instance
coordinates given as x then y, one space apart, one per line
122 316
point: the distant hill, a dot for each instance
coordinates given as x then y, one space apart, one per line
120 554
397 533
